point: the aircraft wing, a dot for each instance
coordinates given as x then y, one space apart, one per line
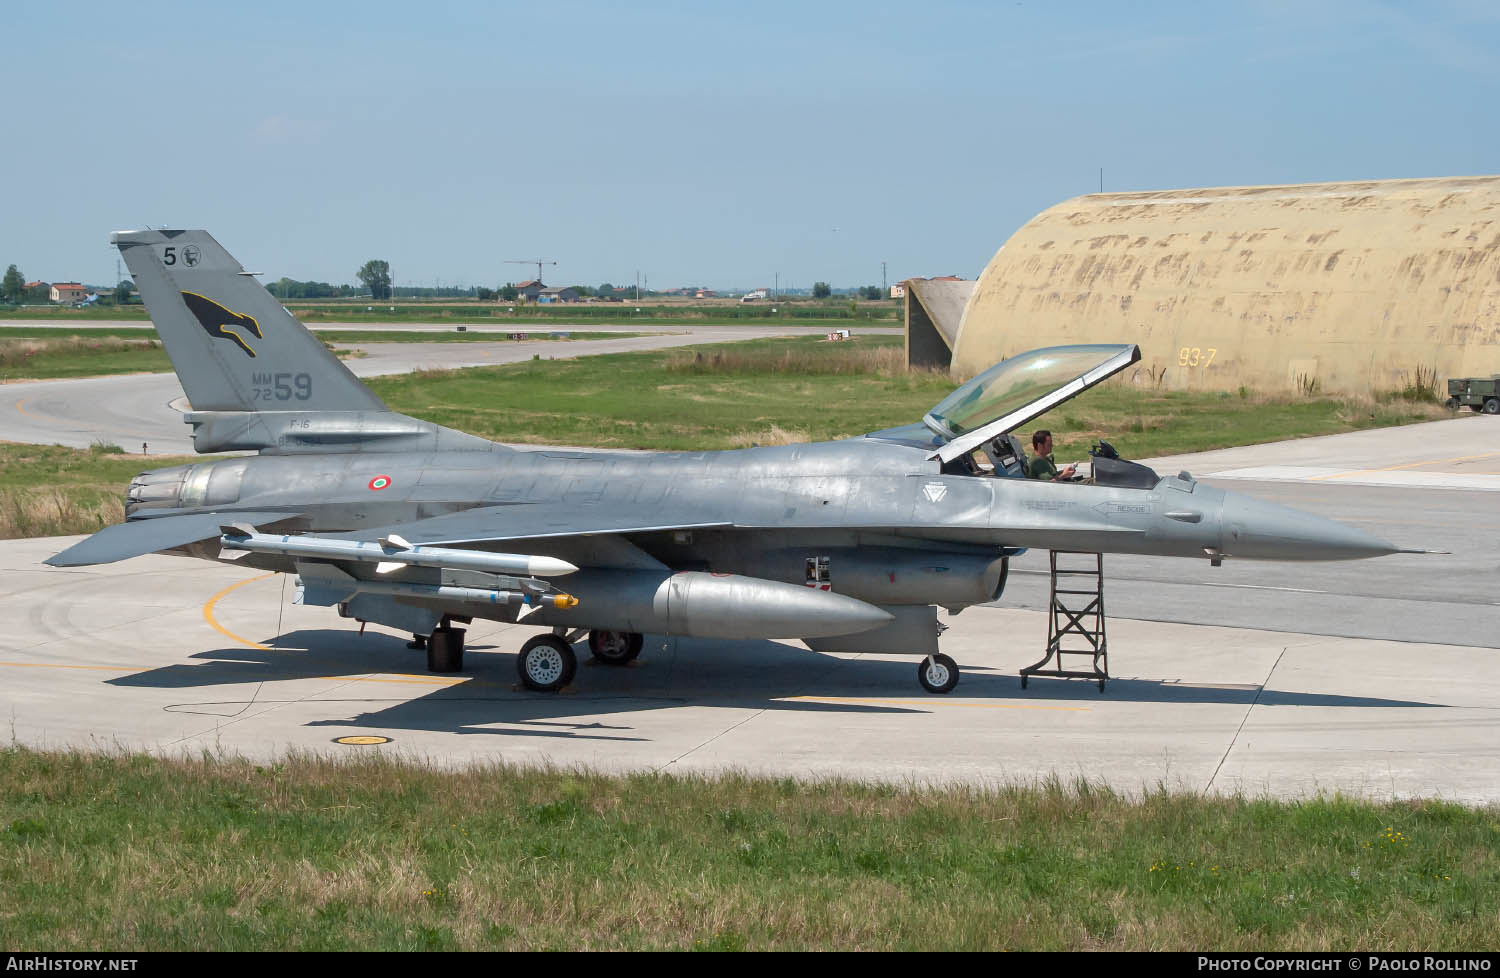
564 524
137 537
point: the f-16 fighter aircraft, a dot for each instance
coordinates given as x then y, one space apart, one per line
848 545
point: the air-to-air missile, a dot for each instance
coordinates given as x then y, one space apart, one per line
326 584
391 553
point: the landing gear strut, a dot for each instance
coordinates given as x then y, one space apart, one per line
546 663
616 648
937 673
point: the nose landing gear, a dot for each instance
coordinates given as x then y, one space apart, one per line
937 673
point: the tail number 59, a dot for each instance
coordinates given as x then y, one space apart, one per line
282 387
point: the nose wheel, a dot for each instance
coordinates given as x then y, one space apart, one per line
546 664
937 673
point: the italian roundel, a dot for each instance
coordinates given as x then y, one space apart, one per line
380 482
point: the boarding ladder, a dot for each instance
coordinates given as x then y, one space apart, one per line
1077 623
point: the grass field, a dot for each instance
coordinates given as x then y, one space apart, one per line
133 852
49 490
805 389
832 312
49 354
54 356
722 396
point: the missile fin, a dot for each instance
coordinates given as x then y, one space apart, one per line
394 542
386 566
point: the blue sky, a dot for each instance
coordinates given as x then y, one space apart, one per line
701 144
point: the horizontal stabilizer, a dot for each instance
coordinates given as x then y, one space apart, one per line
137 537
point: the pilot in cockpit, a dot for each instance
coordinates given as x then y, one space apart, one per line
1042 466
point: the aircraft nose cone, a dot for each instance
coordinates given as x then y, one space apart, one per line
1257 529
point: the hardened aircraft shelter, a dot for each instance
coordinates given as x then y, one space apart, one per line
1336 287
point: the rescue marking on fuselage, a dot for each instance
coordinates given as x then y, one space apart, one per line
934 491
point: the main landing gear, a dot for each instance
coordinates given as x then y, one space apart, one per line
547 663
616 648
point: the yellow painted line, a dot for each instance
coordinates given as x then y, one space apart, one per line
361 679
208 613
1408 465
931 702
419 680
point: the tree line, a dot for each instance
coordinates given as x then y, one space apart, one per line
375 281
13 290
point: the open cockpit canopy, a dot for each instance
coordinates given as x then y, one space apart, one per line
1015 391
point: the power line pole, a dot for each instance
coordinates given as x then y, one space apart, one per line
883 290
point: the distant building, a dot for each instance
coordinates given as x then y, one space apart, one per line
562 294
753 295
530 289
68 292
705 294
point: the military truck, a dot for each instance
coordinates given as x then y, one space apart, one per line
1477 393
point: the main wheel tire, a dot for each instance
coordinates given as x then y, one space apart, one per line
445 650
1492 406
546 664
1451 404
937 673
615 648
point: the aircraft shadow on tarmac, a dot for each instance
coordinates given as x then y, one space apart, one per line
717 673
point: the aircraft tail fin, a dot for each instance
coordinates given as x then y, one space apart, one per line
233 345
256 378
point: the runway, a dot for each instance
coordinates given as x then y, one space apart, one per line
132 410
1376 678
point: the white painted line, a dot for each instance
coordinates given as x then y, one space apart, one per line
1264 587
1483 482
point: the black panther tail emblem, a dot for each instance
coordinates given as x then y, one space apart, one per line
216 320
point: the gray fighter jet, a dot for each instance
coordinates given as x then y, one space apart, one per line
848 545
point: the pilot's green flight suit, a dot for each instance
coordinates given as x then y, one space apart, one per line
1042 467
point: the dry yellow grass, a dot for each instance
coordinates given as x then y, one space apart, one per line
52 512
774 435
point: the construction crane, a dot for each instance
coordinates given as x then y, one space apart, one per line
538 262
